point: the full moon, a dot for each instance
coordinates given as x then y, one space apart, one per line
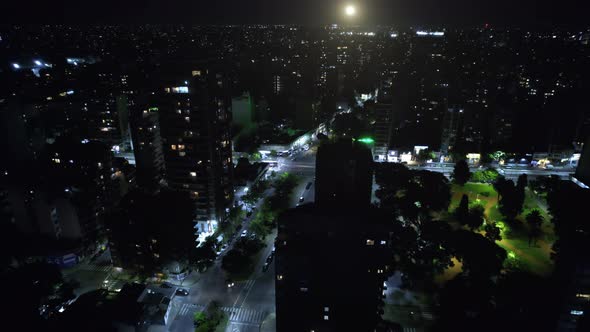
350 10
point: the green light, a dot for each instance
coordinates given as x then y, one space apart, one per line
153 109
511 255
366 140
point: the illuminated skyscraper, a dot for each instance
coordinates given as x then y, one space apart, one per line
195 129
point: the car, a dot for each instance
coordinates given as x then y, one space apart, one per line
308 186
301 199
244 233
273 250
269 258
252 236
182 292
265 267
165 285
229 283
224 247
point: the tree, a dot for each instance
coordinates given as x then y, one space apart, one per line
534 220
204 256
475 217
486 176
493 232
425 155
501 185
497 156
522 181
235 261
208 320
461 172
511 199
481 258
462 211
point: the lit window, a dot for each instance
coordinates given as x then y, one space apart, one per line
173 146
187 119
196 73
383 242
182 153
577 312
326 309
370 242
326 317
181 147
193 174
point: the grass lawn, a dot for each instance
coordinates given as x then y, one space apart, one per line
484 193
515 235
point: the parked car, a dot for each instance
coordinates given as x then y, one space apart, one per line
265 267
308 186
301 199
244 233
229 283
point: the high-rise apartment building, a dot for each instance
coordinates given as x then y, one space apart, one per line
147 147
382 130
195 128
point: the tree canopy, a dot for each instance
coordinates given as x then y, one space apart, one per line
461 173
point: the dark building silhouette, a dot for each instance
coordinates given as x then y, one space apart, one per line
331 265
333 256
344 174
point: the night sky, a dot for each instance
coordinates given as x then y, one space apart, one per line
307 12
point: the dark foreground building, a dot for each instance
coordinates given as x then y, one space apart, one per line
334 256
331 265
344 174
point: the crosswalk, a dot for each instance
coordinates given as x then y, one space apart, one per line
189 309
249 284
410 329
237 315
244 315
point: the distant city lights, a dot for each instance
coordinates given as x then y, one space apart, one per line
16 66
430 33
38 63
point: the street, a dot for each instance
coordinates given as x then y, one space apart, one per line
510 173
250 304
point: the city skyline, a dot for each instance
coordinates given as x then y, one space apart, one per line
263 178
